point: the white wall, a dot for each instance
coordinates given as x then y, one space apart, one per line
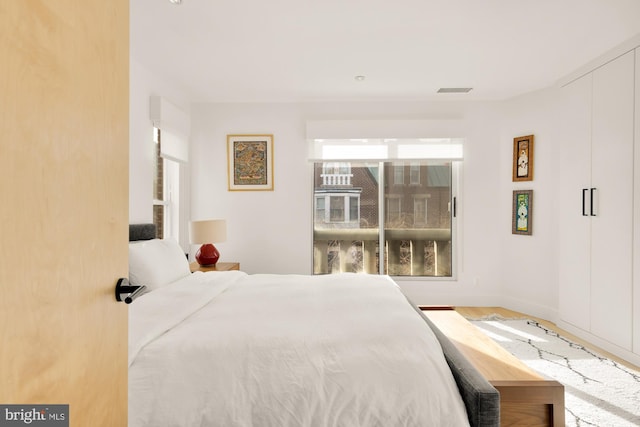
267 231
529 263
270 232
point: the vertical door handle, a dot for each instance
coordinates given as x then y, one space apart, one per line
584 196
591 207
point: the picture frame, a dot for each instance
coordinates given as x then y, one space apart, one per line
250 162
522 212
523 158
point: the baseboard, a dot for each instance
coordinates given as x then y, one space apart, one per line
537 310
622 353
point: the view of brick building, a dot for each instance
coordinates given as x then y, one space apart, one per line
416 211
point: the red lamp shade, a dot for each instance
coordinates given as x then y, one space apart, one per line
206 233
207 254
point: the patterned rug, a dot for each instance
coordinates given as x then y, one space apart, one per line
598 391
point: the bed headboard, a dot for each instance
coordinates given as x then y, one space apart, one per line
142 232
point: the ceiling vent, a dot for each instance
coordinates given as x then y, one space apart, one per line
454 89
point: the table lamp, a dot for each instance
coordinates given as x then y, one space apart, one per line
207 232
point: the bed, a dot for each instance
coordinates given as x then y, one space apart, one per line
233 349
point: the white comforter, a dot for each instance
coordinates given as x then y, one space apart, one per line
230 349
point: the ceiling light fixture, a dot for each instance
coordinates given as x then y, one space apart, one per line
175 1
454 90
359 78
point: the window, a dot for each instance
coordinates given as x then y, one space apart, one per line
320 210
414 173
398 174
419 210
416 234
354 209
158 186
336 209
166 186
394 208
171 127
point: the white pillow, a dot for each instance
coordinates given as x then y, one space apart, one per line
156 262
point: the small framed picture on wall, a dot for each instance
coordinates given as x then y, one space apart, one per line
523 158
522 212
250 162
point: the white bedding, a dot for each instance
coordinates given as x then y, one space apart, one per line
230 349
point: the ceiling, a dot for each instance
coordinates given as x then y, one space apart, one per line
312 50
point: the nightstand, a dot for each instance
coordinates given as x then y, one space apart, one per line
221 266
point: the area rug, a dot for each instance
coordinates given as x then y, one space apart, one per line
598 391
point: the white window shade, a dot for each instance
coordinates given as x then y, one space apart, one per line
385 140
385 149
175 125
174 147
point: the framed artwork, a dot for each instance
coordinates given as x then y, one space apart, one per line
522 212
523 158
250 162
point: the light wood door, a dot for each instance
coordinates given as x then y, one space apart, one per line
574 240
64 77
636 221
612 178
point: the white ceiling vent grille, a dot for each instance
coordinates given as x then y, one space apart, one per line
454 89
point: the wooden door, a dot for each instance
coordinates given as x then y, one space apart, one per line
612 177
574 222
636 211
64 128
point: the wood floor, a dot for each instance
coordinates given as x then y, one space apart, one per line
476 312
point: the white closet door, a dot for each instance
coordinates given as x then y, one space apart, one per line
575 171
612 178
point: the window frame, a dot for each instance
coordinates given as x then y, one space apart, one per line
455 233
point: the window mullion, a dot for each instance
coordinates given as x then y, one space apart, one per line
381 218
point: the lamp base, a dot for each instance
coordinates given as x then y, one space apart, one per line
207 255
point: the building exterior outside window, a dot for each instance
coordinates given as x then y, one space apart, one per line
416 218
159 205
166 187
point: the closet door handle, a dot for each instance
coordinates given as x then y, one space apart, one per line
591 207
584 196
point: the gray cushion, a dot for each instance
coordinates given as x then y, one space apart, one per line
481 399
141 232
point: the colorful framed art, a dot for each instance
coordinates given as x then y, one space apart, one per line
523 158
522 212
250 162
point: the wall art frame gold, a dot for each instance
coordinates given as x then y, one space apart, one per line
250 162
523 158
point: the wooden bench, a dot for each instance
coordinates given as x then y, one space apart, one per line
526 397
